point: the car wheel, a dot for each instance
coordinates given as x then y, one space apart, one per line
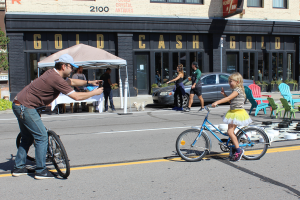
185 100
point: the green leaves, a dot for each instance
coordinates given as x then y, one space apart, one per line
5 104
3 51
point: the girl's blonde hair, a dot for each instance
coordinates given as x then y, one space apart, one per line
239 79
180 67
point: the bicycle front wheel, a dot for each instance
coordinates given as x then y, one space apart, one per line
185 148
255 144
58 154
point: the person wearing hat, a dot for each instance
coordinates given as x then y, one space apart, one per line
196 87
42 91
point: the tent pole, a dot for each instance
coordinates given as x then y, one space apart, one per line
125 96
120 89
128 89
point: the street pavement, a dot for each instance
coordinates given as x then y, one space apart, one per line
134 157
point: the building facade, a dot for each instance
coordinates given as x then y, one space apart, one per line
154 36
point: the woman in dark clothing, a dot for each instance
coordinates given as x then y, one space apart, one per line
179 88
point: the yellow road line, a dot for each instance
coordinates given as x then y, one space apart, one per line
273 150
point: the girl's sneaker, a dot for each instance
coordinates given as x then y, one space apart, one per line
175 108
237 156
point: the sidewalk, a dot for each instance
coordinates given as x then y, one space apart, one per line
148 100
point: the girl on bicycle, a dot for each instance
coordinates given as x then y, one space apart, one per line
179 88
236 116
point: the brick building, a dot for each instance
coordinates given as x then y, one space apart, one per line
156 35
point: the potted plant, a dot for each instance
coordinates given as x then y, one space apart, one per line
273 88
259 84
115 89
290 83
277 83
264 86
295 85
154 87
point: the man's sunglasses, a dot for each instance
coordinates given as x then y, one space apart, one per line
69 65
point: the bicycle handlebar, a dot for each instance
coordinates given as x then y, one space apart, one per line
207 107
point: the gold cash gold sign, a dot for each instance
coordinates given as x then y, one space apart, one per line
232 42
58 41
277 42
249 42
161 42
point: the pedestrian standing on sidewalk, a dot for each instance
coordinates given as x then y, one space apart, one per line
237 115
107 90
79 75
179 88
196 87
42 91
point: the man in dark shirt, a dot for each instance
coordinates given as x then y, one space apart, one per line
42 91
196 87
107 90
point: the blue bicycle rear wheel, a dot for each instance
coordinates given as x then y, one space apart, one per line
254 141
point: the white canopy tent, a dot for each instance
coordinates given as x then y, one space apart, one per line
91 58
87 57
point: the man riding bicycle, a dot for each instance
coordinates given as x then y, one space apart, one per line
42 91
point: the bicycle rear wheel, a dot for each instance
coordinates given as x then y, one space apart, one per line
31 150
255 144
185 149
58 154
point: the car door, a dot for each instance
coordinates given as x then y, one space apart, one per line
209 88
223 83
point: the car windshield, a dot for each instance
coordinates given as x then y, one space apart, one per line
187 82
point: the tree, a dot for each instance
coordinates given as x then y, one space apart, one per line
3 51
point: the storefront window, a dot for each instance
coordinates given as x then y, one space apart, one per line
165 73
265 71
277 68
196 57
33 66
183 62
263 67
161 68
158 69
248 65
232 63
290 68
175 64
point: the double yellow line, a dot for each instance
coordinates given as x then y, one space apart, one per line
270 150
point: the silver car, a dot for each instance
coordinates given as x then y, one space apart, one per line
212 84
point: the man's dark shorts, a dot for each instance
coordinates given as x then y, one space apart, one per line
197 91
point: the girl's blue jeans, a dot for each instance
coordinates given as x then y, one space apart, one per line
32 129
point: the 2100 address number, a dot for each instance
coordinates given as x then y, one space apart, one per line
99 9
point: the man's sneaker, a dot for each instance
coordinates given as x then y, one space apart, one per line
180 109
44 175
113 109
201 109
20 172
237 156
187 109
175 108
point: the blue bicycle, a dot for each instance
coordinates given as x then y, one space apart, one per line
193 144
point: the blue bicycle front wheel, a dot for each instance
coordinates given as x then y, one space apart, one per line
191 148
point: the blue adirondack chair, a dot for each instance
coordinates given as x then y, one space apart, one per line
253 102
286 93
